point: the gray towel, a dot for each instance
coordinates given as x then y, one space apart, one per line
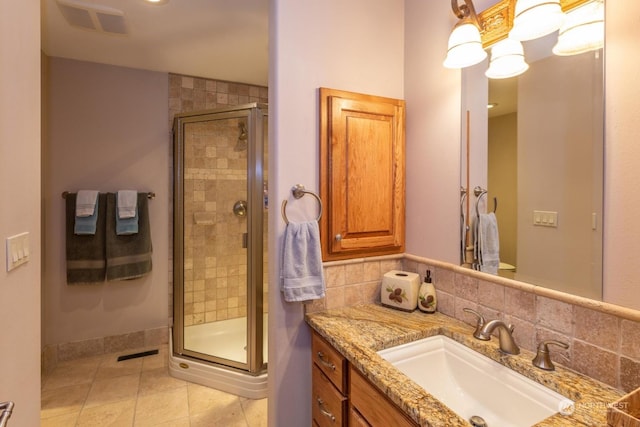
85 253
128 256
302 275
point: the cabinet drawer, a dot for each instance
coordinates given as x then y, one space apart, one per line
328 404
374 406
329 361
356 420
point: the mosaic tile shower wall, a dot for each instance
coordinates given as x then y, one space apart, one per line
215 178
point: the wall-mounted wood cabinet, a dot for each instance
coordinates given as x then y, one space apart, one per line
362 174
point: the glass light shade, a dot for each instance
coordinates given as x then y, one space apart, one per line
536 18
582 31
465 46
507 60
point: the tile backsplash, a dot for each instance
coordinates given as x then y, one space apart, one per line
604 339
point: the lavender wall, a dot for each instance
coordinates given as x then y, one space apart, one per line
352 45
20 207
107 130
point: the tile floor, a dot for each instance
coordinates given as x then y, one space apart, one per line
100 391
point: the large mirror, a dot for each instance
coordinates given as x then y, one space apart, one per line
538 153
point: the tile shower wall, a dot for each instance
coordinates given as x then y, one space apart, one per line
193 94
215 266
215 178
604 339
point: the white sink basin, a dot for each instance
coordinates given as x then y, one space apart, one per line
471 384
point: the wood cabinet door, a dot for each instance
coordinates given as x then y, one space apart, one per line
362 174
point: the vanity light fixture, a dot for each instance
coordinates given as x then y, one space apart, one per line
582 31
465 44
536 18
507 59
157 2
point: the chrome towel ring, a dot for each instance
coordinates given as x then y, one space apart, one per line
298 192
479 192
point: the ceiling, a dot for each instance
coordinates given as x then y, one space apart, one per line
219 39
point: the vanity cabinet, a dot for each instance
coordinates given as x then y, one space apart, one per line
329 384
342 396
362 174
371 405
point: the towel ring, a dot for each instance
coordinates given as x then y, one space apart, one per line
479 192
298 192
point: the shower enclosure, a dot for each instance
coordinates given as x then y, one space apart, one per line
219 249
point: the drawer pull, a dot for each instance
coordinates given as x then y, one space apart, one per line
324 411
325 361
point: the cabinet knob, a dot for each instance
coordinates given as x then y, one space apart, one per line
338 237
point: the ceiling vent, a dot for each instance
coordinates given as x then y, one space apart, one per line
93 17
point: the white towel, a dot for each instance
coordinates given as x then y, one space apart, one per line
302 275
86 202
127 203
489 243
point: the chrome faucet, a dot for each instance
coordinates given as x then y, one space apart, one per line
505 336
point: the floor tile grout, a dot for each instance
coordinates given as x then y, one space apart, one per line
59 408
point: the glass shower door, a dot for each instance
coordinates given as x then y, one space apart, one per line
219 236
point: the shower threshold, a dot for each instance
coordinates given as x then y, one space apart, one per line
217 377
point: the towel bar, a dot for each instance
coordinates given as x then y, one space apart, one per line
150 195
298 192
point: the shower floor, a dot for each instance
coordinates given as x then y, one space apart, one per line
226 339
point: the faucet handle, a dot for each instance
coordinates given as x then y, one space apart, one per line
543 359
479 324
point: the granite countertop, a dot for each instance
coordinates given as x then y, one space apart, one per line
359 332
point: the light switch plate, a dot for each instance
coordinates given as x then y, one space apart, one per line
545 218
18 251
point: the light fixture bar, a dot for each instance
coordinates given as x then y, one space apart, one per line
496 21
